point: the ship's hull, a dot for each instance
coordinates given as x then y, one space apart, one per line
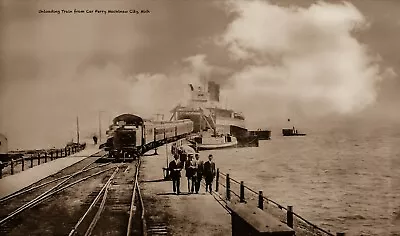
216 146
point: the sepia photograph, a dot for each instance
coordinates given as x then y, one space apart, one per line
197 118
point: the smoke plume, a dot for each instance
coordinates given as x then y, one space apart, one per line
300 60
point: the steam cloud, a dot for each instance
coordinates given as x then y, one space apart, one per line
305 59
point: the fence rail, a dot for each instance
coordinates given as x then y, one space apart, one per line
238 190
9 167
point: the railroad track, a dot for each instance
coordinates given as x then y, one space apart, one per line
108 206
111 210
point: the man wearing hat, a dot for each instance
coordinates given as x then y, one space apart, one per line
209 172
175 167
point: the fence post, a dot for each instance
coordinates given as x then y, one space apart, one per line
260 200
339 234
38 158
31 161
217 181
228 188
12 166
242 191
290 216
23 163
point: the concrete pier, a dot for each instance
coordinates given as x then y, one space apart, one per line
16 182
184 214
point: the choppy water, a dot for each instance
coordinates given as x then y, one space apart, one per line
343 179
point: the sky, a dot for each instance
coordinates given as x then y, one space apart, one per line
274 60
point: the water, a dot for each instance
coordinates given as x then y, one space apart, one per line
343 179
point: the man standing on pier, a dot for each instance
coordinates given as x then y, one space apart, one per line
175 168
95 139
199 172
209 172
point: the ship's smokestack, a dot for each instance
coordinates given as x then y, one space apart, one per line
213 90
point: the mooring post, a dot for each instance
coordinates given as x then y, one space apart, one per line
45 157
12 166
65 150
290 216
260 200
228 188
23 163
339 234
51 155
31 161
38 158
242 191
217 181
56 153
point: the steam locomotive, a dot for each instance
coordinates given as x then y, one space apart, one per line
130 136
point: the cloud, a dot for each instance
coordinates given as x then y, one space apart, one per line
303 56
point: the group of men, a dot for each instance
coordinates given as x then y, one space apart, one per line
195 171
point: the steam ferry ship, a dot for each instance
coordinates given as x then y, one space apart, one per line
214 126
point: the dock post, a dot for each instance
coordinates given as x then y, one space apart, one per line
65 150
228 188
51 155
31 161
290 216
339 234
38 159
12 166
260 200
45 157
242 191
23 163
217 181
56 153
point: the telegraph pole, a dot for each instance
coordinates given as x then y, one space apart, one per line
100 126
77 129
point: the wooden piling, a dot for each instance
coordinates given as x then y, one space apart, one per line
260 200
45 157
228 188
290 216
51 155
23 163
31 161
12 166
38 159
242 191
217 181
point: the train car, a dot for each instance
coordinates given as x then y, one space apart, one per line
131 136
148 135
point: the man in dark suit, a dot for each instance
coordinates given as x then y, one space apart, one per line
175 168
209 172
199 174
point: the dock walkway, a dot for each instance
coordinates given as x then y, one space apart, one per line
184 214
14 183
